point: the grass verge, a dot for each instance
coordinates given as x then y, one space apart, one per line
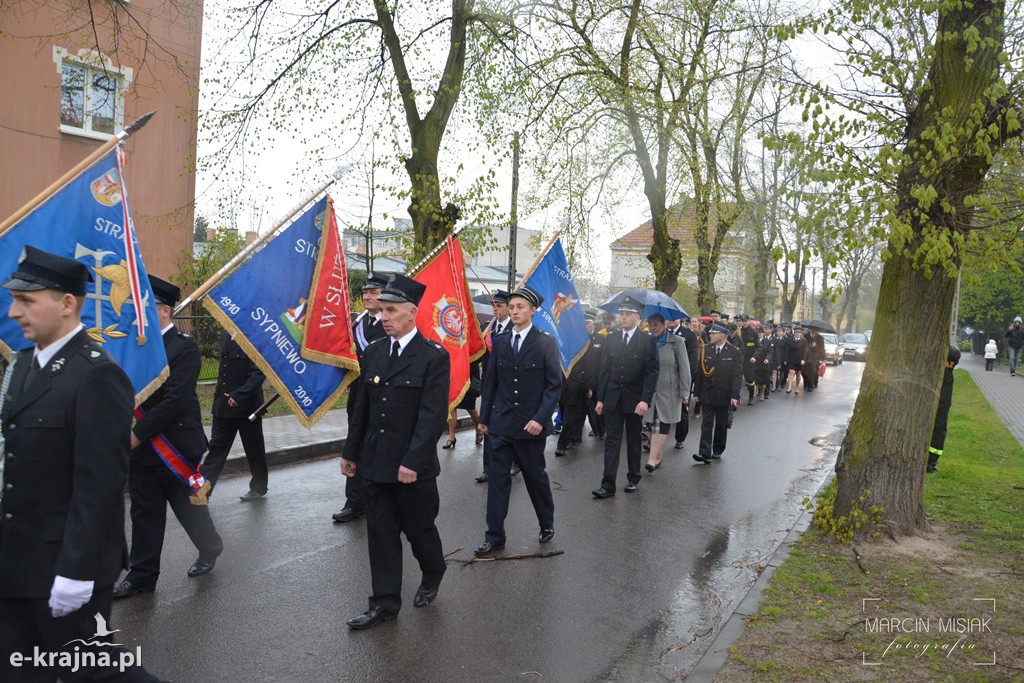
944 606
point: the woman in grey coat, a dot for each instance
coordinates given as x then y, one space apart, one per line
672 390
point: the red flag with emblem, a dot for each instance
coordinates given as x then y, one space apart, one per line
328 334
446 314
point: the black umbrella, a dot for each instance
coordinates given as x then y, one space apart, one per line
820 324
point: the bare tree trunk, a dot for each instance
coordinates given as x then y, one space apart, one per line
886 445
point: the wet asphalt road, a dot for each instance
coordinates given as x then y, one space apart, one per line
644 582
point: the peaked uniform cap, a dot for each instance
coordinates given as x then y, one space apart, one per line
38 269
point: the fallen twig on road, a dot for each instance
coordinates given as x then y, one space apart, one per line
517 556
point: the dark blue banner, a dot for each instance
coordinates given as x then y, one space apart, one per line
85 220
263 304
561 314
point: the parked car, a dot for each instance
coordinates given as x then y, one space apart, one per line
833 348
855 346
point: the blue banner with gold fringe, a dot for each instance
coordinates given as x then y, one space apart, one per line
263 304
561 314
89 220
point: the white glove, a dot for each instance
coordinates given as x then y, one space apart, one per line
67 595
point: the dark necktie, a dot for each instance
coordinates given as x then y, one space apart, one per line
718 351
33 370
625 338
395 348
515 345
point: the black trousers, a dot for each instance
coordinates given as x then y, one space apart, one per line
222 437
391 510
151 489
714 427
574 414
27 624
683 426
615 423
355 490
596 421
529 455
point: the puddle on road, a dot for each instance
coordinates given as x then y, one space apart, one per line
673 642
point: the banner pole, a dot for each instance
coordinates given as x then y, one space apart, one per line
433 252
250 249
540 257
85 163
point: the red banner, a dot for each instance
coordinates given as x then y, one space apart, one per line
446 314
328 335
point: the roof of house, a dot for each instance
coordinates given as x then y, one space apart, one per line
681 219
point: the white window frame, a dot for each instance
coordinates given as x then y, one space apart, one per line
94 62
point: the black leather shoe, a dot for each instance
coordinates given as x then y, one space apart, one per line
716 456
371 617
515 470
559 452
701 458
347 514
546 535
450 445
679 445
251 496
487 549
424 596
483 477
127 588
200 567
603 493
630 487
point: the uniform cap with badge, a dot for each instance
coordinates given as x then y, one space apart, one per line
532 297
38 269
375 280
499 296
402 289
630 305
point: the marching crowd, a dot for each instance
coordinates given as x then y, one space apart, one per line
71 442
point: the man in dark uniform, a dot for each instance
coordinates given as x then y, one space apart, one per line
67 410
399 416
500 324
573 407
748 340
693 352
815 357
367 330
938 441
520 392
592 362
629 375
717 388
172 412
238 395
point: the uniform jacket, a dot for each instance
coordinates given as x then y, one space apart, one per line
748 341
629 374
67 441
517 389
240 378
673 379
400 410
796 351
692 346
592 360
719 378
173 409
815 350
370 334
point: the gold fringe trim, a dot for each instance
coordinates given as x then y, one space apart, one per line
277 382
